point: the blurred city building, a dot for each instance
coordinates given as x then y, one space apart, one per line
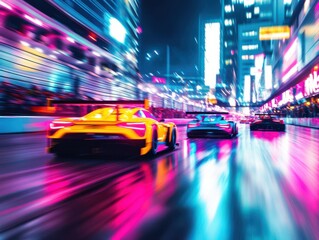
74 49
244 55
295 62
65 49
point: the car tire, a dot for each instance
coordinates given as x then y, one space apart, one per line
154 147
172 143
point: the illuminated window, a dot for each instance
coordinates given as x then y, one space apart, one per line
256 10
248 15
250 47
228 8
248 3
228 22
249 34
247 57
228 62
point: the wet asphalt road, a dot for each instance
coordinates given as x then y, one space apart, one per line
260 185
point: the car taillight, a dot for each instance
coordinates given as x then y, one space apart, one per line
191 125
223 125
56 125
139 128
257 121
282 121
60 124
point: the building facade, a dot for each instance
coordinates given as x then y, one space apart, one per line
295 61
85 48
241 44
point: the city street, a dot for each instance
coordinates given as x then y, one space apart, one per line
260 185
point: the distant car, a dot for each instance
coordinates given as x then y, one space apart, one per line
268 122
116 129
210 124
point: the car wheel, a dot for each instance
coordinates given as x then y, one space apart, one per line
153 149
235 131
172 143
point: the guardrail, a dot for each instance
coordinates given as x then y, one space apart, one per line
24 124
305 122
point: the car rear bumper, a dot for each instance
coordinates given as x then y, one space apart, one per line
123 147
275 127
208 133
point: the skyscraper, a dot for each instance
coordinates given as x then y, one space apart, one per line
241 44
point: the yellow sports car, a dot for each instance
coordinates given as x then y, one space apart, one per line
111 130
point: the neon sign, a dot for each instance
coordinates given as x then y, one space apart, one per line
312 83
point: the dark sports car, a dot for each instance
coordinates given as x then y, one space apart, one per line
210 124
268 122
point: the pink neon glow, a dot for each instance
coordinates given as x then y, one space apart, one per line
225 147
291 52
60 124
134 199
5 5
317 10
139 30
289 73
312 84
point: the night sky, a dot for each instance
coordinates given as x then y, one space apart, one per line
173 23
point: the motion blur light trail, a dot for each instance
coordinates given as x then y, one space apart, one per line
261 185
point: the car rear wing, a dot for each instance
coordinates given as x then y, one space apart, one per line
82 107
267 114
211 112
144 103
